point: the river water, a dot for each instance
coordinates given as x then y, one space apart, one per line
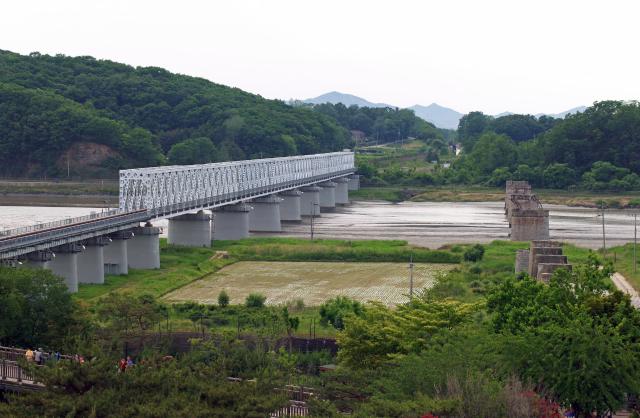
429 224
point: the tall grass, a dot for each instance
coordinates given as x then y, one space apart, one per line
290 249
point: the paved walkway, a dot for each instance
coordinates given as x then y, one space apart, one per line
623 285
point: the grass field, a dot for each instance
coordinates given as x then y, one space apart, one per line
313 282
461 193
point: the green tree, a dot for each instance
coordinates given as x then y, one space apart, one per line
36 309
558 176
334 311
193 151
223 299
255 300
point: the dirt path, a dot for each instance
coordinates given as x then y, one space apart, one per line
623 285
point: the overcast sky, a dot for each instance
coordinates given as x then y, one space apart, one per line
517 55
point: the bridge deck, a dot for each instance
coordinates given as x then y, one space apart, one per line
164 192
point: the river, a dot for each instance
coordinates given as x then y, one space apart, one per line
429 224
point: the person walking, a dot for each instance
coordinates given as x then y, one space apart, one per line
29 355
122 365
37 356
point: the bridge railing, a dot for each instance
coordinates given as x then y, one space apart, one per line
164 190
54 231
57 224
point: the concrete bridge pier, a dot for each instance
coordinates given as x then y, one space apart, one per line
354 182
116 261
310 201
327 196
265 216
65 264
290 206
37 259
342 191
190 230
91 261
143 250
231 222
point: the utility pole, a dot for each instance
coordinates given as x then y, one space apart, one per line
604 239
635 242
411 276
313 215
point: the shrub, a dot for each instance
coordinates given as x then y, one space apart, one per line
334 311
223 299
475 270
255 300
474 253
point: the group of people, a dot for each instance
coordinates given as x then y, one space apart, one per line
124 364
39 357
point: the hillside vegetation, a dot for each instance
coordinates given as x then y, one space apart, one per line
92 117
598 149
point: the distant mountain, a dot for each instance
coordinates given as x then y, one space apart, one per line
336 97
441 116
561 115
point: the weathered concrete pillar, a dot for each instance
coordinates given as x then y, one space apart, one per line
231 222
290 206
522 261
37 259
65 264
116 260
91 261
342 191
327 196
190 230
544 247
354 182
265 216
546 270
529 225
310 201
143 250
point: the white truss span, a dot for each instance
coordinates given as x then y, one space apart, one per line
174 189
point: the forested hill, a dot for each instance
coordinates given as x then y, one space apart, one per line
96 116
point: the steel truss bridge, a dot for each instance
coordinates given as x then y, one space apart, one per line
165 192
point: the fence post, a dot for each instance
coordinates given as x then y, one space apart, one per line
4 369
19 373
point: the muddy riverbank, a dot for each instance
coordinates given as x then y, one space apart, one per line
428 224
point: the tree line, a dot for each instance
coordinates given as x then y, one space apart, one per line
380 124
598 149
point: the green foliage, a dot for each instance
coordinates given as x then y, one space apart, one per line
474 253
193 151
150 389
334 311
381 333
598 146
293 249
223 299
48 103
255 300
36 309
574 337
380 124
126 315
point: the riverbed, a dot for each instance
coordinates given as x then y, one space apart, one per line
428 224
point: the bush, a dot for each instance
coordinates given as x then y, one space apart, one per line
474 253
335 310
255 300
223 299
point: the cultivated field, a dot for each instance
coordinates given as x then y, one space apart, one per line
314 282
